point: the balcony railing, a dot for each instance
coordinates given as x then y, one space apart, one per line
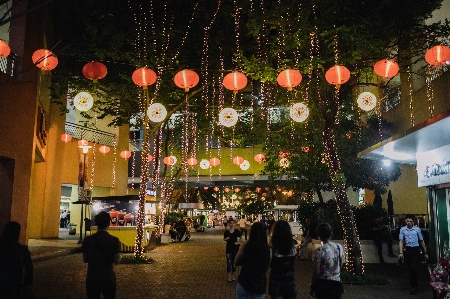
89 134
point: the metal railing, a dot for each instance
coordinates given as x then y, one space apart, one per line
89 134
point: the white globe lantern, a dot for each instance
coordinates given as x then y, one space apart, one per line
244 165
228 117
299 112
156 112
204 164
284 162
83 101
173 160
367 101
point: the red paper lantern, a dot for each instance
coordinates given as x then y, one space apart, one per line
216 189
237 190
44 59
186 79
125 154
289 78
438 55
259 158
238 160
214 161
192 161
168 161
104 149
206 188
66 137
144 77
149 158
305 149
337 75
82 142
4 49
284 154
386 68
235 81
95 70
226 190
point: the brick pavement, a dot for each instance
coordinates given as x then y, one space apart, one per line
193 269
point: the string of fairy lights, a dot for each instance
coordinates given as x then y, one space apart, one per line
411 110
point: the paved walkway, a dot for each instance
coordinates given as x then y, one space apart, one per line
193 269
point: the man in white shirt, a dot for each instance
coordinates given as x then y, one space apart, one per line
242 225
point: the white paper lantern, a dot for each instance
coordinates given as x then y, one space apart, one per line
299 112
234 196
157 112
204 164
174 160
244 165
228 117
83 101
284 162
367 101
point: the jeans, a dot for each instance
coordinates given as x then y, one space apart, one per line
241 293
231 267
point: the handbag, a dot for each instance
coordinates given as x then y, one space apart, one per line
325 288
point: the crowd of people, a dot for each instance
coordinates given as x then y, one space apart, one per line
64 219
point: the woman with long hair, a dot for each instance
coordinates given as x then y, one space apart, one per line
254 258
325 281
14 260
281 279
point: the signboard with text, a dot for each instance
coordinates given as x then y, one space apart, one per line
433 167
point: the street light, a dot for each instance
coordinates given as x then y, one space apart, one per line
82 186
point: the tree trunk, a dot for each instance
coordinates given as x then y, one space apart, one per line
351 238
319 194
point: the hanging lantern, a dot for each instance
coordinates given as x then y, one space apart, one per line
367 101
104 149
149 158
44 59
386 68
156 112
5 50
125 154
238 160
244 165
204 164
305 149
226 190
235 81
66 137
438 55
284 163
289 78
337 75
284 154
228 117
174 160
170 160
82 142
192 161
214 162
236 190
186 79
94 70
205 188
144 77
216 189
299 112
259 158
83 101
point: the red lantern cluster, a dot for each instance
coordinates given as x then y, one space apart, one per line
289 78
337 75
95 70
438 55
168 161
216 189
235 81
144 77
186 79
44 59
4 49
226 190
386 68
284 154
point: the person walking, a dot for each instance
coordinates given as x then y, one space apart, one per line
254 258
380 233
181 229
243 226
281 279
16 267
411 236
326 280
100 251
233 238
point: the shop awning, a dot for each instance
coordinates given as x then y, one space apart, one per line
402 148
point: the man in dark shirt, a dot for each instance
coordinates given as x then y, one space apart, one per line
101 251
380 234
